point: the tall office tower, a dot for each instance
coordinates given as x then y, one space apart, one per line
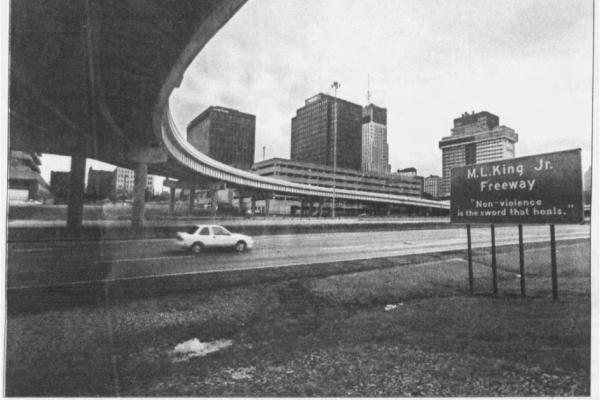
316 124
475 138
375 149
224 134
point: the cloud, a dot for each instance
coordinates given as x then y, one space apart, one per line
528 61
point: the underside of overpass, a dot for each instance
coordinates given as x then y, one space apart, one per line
92 79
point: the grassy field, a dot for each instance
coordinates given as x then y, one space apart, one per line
326 336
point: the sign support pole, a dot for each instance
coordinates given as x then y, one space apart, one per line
470 258
494 272
521 260
553 260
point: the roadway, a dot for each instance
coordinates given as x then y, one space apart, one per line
43 263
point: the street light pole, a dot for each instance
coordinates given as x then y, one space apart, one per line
335 85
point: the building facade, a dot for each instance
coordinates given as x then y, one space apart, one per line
475 138
431 186
345 178
225 135
318 123
124 182
24 179
374 145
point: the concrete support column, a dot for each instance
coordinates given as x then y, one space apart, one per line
192 200
253 205
214 203
389 210
171 201
321 202
267 206
76 190
139 190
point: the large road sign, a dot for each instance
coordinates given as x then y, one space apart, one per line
545 188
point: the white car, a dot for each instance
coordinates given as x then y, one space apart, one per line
200 237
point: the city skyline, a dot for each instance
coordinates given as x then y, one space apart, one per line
458 57
427 65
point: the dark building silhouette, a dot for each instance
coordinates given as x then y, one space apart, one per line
313 130
101 184
59 185
225 135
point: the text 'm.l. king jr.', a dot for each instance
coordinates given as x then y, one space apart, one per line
544 188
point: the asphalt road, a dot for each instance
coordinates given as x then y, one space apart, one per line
42 263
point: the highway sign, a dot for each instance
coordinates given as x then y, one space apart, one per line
544 188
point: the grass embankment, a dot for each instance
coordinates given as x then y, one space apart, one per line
327 337
99 212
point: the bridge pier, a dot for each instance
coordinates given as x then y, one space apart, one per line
171 201
76 190
321 202
192 200
142 156
138 210
214 201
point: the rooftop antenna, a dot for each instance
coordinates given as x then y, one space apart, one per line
368 89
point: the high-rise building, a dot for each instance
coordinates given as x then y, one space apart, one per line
316 123
475 138
225 135
375 149
431 186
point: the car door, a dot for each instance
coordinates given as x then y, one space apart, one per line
205 236
222 237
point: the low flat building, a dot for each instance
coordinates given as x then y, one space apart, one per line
322 175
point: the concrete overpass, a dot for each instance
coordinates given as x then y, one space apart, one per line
92 79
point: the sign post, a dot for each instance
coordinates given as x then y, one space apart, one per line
494 270
553 263
544 188
521 260
470 258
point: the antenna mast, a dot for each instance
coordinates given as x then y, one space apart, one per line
368 89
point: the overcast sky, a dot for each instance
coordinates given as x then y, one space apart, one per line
527 61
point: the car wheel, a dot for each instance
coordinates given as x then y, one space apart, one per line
240 246
196 248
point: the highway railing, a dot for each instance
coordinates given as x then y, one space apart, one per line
191 158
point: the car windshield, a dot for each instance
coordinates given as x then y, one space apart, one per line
191 230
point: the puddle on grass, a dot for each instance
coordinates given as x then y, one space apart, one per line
195 348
